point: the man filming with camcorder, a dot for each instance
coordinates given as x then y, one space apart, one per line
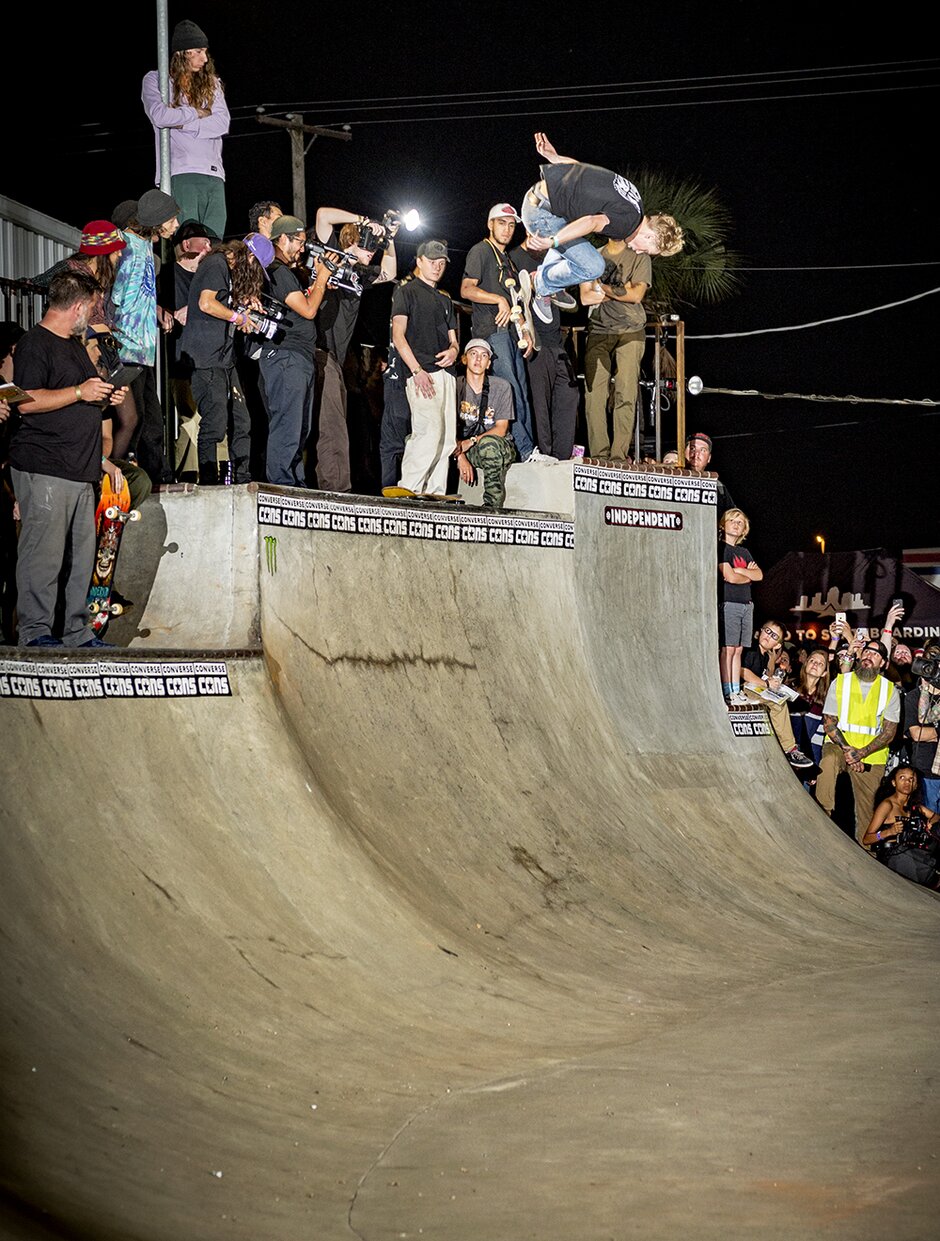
287 365
350 243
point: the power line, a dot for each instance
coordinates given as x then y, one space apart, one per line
799 327
634 86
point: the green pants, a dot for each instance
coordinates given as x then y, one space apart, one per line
492 456
201 198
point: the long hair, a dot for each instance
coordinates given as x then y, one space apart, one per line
247 272
195 89
817 695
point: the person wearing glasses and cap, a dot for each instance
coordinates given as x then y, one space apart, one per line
860 718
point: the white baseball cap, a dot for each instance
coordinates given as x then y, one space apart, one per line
504 211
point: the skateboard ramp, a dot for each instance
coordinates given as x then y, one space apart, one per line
405 877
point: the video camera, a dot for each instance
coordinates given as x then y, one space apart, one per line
266 323
373 235
927 667
341 265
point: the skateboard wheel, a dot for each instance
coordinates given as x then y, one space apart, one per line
116 609
133 515
94 608
111 512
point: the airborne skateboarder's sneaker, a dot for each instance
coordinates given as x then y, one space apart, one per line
539 304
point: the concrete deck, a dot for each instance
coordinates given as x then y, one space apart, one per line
463 916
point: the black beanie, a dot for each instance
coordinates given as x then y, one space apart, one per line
187 35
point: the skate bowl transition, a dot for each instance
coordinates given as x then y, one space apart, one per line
403 875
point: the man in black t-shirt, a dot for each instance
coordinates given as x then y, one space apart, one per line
336 322
424 332
573 200
56 460
287 362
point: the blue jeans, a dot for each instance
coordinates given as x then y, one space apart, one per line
930 793
572 263
509 364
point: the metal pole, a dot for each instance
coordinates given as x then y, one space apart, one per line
657 390
163 73
166 253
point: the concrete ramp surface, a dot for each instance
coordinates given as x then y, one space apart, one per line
405 877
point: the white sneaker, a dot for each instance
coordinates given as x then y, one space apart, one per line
539 458
740 699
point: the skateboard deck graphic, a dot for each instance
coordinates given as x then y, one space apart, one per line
114 509
521 314
405 493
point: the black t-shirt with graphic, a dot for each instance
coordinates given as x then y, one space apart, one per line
575 190
739 558
65 443
431 317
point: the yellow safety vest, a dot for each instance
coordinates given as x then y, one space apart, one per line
860 718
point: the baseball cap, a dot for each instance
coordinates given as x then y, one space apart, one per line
191 229
478 343
287 224
699 435
100 237
261 248
877 646
503 211
432 250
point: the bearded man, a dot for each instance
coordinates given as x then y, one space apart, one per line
860 718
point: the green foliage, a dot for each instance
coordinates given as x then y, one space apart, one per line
705 271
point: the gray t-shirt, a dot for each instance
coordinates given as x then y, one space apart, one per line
621 269
499 406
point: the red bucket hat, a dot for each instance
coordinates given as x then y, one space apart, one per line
100 237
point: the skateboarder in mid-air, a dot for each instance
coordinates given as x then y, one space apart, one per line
573 200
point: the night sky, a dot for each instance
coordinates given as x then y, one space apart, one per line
819 141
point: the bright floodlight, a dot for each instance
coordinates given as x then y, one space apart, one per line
695 385
411 220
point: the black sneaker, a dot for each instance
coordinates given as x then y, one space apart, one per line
564 301
797 758
96 642
45 640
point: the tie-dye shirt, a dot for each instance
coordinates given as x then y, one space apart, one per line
134 298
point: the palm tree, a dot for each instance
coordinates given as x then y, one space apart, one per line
705 271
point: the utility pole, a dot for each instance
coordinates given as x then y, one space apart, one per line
294 124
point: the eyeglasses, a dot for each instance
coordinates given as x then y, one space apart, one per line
772 633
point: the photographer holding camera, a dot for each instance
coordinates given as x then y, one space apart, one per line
922 723
361 239
224 297
287 364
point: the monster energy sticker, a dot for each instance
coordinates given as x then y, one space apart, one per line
270 552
